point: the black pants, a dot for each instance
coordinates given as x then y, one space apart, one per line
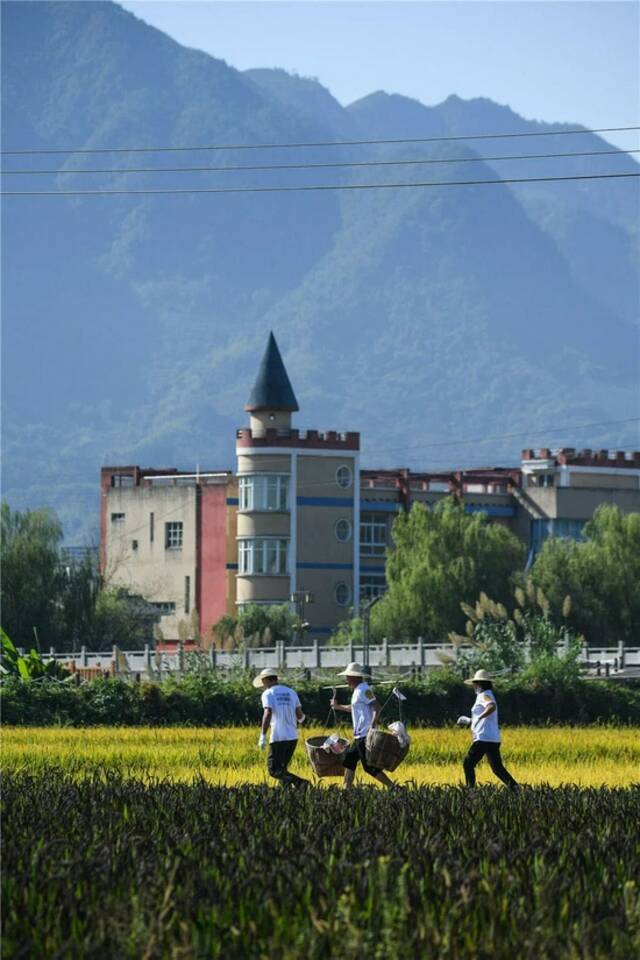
356 753
480 749
279 758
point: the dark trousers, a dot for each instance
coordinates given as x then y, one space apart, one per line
480 749
356 753
279 758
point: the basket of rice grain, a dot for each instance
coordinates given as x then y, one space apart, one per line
384 750
326 762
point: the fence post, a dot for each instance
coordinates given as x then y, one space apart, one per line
281 655
212 657
84 662
52 652
386 659
316 653
350 651
147 659
246 658
421 651
180 656
114 659
585 653
621 653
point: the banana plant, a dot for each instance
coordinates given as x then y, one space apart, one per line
28 666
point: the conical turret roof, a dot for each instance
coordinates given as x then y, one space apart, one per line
272 389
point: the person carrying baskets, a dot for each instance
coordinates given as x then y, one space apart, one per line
282 713
485 732
364 710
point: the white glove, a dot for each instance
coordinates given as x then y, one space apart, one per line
262 741
464 721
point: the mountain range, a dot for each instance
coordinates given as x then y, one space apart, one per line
451 325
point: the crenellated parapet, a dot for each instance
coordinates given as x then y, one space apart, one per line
300 439
569 456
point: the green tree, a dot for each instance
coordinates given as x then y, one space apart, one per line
601 574
31 575
441 558
258 625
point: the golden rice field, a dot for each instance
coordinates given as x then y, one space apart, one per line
585 756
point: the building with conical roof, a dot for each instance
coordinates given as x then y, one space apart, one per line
298 504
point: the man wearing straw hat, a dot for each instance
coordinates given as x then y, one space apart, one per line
282 713
485 732
364 710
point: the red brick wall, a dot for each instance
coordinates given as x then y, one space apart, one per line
211 583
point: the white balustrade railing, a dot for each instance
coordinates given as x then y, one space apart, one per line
154 664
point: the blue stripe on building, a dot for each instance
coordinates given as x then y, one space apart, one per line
371 569
232 501
324 566
324 501
380 506
492 511
232 566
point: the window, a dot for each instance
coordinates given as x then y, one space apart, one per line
117 518
372 585
187 593
264 492
541 480
343 530
373 535
263 555
344 477
342 594
151 527
173 535
134 544
164 607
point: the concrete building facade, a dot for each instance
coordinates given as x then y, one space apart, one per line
299 522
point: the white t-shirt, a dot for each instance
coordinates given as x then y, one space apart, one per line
282 701
362 709
486 729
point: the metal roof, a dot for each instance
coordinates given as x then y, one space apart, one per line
272 389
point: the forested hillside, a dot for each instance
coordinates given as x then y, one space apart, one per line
133 325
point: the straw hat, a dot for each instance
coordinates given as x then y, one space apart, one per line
480 676
263 675
353 670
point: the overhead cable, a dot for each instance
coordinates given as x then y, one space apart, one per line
318 143
152 191
315 166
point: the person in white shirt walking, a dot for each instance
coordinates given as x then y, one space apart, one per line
485 732
364 710
282 713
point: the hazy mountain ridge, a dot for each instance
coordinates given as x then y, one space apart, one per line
414 316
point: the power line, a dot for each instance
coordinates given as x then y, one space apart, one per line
509 436
310 188
317 166
318 143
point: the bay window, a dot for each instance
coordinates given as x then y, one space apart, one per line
263 555
264 492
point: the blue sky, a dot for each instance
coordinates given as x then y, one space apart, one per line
570 61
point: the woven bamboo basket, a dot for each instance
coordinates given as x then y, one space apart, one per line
384 750
324 763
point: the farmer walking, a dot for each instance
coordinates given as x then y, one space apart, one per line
485 732
282 713
364 710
